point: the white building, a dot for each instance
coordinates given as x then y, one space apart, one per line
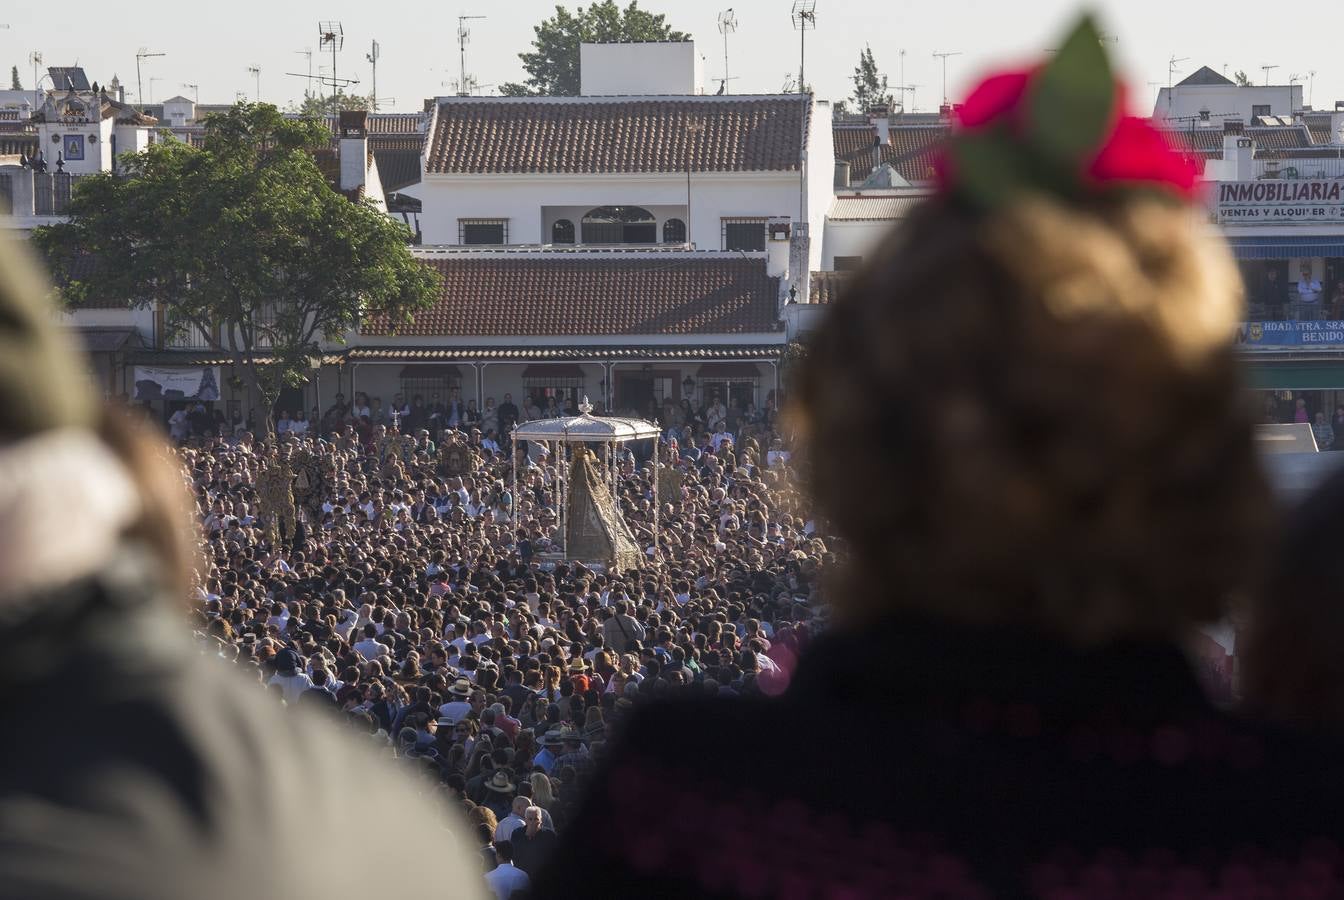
1206 96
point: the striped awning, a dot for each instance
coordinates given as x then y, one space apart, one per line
1286 246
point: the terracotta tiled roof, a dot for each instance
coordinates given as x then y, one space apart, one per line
386 123
871 208
910 149
827 286
605 352
581 135
398 159
655 294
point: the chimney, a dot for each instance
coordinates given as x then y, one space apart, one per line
1233 126
877 154
354 148
880 117
777 248
841 174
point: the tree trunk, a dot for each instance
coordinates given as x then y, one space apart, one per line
261 399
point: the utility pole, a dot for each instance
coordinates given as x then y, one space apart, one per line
141 54
255 72
804 15
463 34
308 52
943 55
692 130
372 57
36 59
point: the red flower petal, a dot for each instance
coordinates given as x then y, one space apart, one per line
1137 152
993 98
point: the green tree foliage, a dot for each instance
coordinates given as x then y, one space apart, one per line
553 65
870 86
329 104
243 239
14 83
1241 78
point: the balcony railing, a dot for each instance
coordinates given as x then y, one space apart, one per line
1300 169
51 193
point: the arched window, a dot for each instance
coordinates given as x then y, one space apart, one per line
674 231
619 225
562 232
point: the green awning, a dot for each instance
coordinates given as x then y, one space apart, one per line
1287 376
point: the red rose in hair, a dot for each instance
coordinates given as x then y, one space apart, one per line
993 98
1137 152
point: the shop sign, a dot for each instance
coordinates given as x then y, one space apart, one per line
1274 202
1277 335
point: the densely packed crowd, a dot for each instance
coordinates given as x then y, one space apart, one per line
394 580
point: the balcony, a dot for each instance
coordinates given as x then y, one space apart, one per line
27 195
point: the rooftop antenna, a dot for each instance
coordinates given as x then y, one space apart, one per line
195 92
727 25
255 71
900 85
140 54
152 79
943 55
308 52
1172 66
331 34
463 35
36 59
1311 85
804 16
1155 85
1267 70
904 89
372 57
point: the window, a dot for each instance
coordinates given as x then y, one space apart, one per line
674 231
482 231
848 263
1259 110
562 232
619 225
744 234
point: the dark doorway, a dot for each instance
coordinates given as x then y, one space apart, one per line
634 392
291 400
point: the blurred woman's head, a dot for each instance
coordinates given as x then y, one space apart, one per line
1032 416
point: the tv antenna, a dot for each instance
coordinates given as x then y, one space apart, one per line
1173 65
1311 85
804 15
255 71
195 92
904 89
464 35
330 34
308 52
1267 70
152 79
727 25
142 54
943 55
36 59
372 57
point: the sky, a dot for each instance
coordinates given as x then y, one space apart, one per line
214 44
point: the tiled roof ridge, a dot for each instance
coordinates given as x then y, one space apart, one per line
614 98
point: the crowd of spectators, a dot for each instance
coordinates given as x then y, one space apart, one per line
425 608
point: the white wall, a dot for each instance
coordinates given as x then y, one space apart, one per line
852 239
820 174
521 199
639 69
1225 101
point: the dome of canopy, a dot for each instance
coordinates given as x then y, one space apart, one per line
586 427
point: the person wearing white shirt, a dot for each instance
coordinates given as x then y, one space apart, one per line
282 425
1308 296
177 425
505 879
513 820
369 648
720 438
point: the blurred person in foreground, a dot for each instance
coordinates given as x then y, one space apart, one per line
1047 480
1291 647
136 765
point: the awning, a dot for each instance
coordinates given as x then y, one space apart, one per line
613 353
1265 376
430 370
726 370
1286 246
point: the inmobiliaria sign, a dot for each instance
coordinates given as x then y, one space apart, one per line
1280 202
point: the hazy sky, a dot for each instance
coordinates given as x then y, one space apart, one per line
213 44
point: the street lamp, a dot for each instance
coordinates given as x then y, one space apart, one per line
315 363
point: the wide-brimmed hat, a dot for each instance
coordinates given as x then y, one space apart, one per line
578 665
552 738
460 688
569 734
500 783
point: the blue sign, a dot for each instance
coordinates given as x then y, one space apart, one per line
74 146
1324 335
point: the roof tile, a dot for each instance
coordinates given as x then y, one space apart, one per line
566 296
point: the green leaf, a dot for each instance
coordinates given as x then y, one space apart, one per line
990 170
1072 100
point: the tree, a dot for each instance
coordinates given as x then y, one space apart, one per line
553 65
329 104
14 83
870 86
243 240
1241 78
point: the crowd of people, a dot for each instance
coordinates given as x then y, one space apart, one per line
393 580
